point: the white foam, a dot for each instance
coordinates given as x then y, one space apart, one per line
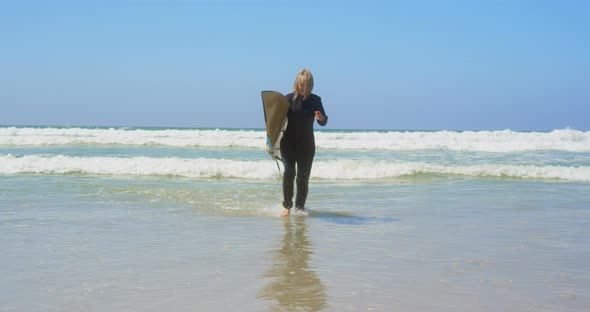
266 169
483 141
167 137
486 141
138 166
352 170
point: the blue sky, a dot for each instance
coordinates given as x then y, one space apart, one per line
457 65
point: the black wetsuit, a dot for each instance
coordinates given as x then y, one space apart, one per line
298 146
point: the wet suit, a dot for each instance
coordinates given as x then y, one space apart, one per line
298 146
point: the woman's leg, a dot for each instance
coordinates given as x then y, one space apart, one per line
289 158
304 163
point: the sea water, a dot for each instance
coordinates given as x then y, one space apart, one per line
152 219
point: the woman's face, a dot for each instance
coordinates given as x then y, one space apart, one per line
301 88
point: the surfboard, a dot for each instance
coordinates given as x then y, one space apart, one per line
275 107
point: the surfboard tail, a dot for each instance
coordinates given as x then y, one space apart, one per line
273 148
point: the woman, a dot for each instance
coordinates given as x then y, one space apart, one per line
298 142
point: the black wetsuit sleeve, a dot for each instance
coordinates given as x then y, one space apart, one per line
320 108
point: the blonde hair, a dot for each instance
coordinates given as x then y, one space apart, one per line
303 81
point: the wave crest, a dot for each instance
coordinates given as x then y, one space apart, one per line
223 168
483 141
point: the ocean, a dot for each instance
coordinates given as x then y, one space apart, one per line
154 219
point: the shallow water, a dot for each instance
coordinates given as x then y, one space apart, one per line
441 244
177 220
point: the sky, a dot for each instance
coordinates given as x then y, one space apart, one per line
411 65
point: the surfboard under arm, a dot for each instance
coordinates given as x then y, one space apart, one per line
275 108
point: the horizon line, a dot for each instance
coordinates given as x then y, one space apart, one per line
262 128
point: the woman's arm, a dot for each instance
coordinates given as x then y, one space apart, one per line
320 113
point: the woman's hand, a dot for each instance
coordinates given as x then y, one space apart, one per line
319 116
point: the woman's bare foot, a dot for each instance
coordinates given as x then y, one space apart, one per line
285 213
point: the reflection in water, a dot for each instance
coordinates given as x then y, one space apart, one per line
293 285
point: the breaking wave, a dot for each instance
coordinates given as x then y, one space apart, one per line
266 169
482 141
